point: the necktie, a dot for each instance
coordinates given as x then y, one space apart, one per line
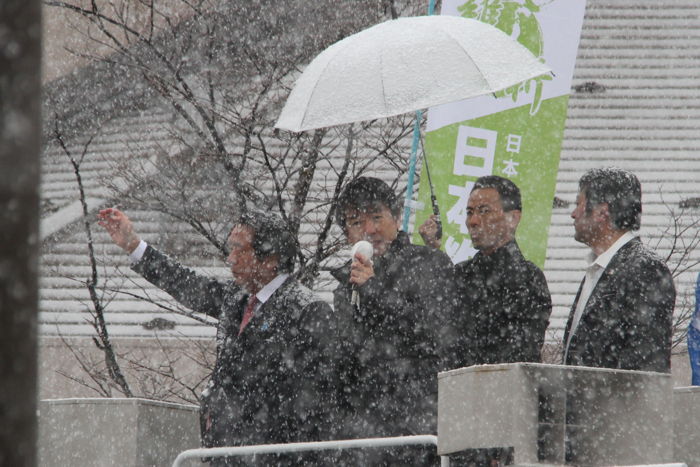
248 312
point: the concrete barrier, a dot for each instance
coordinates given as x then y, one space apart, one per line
528 413
686 425
111 432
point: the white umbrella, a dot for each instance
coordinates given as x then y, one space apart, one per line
404 65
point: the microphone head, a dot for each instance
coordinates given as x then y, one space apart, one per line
364 248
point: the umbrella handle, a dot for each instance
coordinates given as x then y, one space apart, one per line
433 198
436 211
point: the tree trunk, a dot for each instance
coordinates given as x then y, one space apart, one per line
20 63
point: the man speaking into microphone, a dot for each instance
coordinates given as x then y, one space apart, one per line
393 302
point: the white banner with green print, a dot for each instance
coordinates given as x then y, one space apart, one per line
516 134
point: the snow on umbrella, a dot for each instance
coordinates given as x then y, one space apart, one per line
403 65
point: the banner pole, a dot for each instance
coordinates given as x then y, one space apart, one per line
414 152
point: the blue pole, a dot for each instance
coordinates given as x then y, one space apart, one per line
694 339
411 170
414 152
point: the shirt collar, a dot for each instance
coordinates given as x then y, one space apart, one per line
399 242
503 253
604 259
266 292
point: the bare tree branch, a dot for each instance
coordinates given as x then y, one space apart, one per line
104 342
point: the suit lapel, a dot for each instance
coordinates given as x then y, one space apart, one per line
570 321
611 271
600 290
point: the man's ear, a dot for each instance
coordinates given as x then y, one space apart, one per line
602 212
398 221
271 264
513 219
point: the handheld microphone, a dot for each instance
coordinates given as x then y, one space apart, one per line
366 249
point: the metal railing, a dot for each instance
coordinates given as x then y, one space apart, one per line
310 446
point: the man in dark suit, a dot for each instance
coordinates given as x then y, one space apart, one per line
622 314
504 303
394 332
272 380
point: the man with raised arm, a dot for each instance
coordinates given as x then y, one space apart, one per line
622 314
271 382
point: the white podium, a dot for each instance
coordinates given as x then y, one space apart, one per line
553 414
110 432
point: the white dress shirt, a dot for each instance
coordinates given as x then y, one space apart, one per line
136 255
263 294
266 292
595 269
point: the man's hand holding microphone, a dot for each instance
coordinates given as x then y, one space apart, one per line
361 269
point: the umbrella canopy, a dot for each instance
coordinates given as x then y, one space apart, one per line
404 65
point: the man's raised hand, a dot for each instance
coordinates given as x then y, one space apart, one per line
119 227
428 231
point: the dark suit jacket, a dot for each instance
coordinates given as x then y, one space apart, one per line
627 321
392 350
271 384
392 343
505 308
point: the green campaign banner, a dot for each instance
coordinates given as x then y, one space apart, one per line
516 134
